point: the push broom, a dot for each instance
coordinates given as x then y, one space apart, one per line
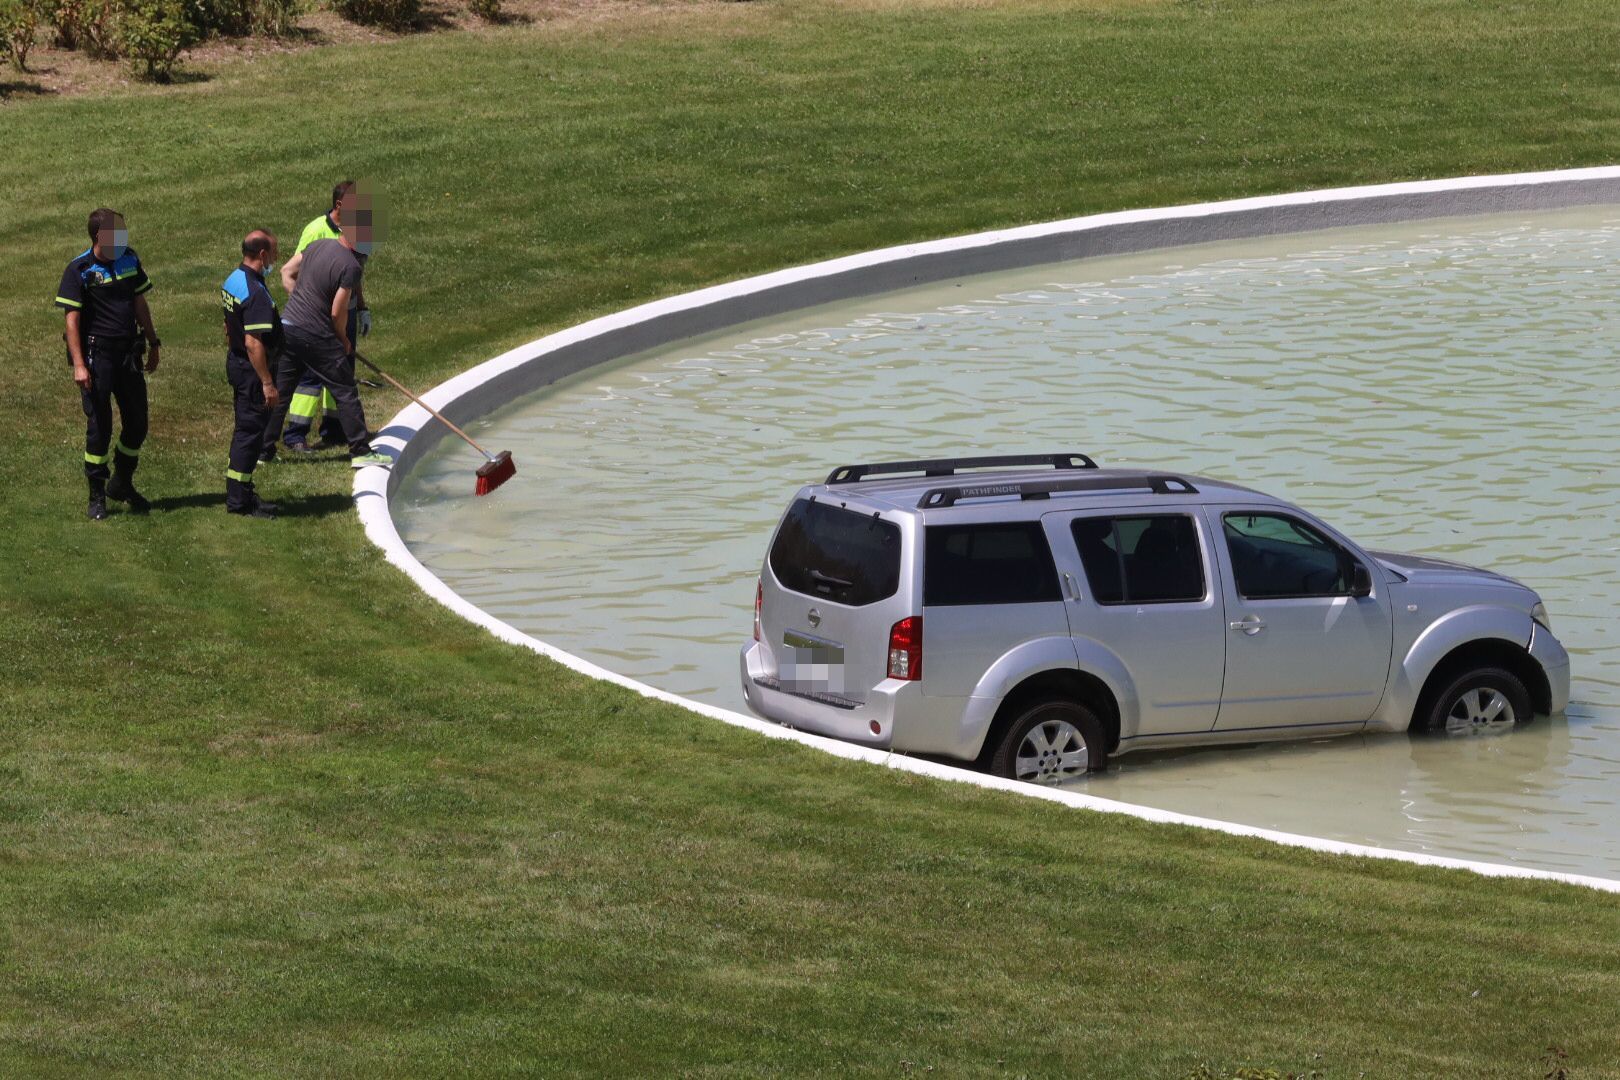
496 470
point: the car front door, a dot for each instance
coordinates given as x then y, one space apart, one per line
1141 584
1302 647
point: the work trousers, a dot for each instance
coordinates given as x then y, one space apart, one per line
304 352
115 376
312 401
252 414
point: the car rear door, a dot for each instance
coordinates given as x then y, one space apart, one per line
988 588
1143 586
1300 649
836 579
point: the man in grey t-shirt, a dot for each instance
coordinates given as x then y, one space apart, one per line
315 324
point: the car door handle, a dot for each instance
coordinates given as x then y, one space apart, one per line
1249 624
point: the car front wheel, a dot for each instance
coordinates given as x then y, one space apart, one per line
1484 699
1050 743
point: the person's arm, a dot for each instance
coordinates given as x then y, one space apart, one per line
70 298
362 319
289 271
143 316
340 318
258 320
260 359
81 370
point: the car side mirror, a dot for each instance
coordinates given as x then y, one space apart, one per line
1360 580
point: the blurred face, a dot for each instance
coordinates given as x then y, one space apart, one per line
112 240
360 218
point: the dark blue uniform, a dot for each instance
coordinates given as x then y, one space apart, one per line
104 295
249 311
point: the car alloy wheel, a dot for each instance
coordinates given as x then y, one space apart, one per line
1481 708
1051 753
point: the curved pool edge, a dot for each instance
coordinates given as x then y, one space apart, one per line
409 435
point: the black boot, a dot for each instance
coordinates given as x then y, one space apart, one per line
241 499
98 500
122 485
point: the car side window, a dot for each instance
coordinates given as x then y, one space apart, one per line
1276 556
1144 559
1007 563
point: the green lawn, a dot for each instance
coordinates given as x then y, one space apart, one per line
265 810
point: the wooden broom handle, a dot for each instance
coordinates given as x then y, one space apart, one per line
395 383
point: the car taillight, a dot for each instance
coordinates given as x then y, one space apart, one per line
905 649
759 601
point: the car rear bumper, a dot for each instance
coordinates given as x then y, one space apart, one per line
869 722
1554 661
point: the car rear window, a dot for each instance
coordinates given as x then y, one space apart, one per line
1004 563
838 554
1152 559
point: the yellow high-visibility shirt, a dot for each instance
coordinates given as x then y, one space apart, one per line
319 229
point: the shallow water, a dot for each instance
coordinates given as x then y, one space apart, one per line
1441 387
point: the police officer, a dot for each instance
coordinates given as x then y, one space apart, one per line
311 399
253 337
109 327
316 332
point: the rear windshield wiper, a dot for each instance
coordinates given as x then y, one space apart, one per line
827 579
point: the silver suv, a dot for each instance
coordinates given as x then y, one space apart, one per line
1036 614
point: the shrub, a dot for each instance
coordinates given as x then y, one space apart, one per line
238 18
209 18
19 19
84 24
154 33
276 18
488 10
388 14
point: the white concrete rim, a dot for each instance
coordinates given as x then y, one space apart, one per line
372 486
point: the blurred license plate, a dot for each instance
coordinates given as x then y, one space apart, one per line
810 665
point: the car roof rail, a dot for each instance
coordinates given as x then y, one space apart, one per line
1158 483
849 474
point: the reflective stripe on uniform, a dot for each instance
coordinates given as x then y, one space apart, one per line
239 477
122 449
259 326
328 402
69 303
304 405
96 459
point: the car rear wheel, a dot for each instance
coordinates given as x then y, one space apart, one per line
1484 699
1050 743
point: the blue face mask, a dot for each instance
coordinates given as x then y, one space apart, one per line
120 243
364 246
269 268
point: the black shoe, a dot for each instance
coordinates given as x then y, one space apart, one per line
97 511
267 455
299 447
257 510
123 490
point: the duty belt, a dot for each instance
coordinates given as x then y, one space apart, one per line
123 347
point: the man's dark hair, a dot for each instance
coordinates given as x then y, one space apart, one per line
340 190
102 218
258 242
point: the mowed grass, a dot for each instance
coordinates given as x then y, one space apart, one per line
265 810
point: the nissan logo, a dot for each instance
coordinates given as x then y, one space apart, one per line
814 617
